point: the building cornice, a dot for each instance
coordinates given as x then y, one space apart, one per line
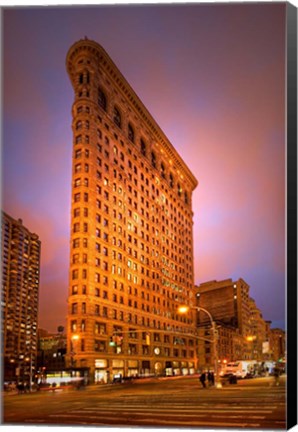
124 87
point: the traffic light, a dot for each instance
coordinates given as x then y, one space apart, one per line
112 342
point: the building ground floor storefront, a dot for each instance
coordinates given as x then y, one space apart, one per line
103 370
107 370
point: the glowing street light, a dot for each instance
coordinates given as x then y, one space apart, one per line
184 309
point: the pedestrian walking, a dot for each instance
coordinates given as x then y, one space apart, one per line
21 388
203 379
210 378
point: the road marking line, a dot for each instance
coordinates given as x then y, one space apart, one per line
188 415
168 409
169 422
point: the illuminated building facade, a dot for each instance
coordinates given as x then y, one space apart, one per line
229 304
131 259
278 344
20 288
243 334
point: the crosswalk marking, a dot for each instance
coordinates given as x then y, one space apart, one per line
175 415
184 409
166 410
169 422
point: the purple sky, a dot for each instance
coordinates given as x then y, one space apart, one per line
212 76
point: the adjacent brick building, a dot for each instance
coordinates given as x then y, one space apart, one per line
243 334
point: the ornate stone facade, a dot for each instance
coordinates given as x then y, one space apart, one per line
131 260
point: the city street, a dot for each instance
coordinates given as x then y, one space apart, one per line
164 402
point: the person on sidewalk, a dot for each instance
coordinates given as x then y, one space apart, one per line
203 379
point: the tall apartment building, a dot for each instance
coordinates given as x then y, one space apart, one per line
20 287
131 259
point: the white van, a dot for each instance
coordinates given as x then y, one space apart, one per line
240 368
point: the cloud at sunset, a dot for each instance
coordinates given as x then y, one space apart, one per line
215 85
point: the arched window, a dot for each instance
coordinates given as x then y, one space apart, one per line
131 134
79 124
171 181
153 159
143 148
102 100
179 189
117 117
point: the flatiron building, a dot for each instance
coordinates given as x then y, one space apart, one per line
131 246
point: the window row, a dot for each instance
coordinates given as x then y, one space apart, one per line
133 349
131 291
160 166
100 329
115 313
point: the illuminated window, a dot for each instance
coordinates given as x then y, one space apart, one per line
73 326
100 328
78 139
78 153
74 308
78 168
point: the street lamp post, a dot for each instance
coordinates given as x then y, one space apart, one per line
184 309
